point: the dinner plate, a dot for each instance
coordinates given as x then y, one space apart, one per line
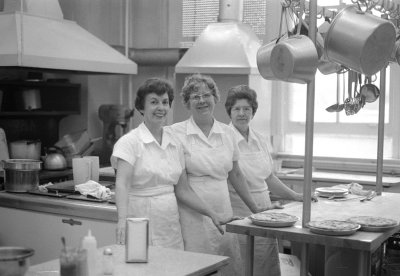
333 227
273 219
374 224
331 191
332 195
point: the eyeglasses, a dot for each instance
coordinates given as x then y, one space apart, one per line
197 97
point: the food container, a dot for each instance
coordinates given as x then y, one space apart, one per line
25 149
21 175
367 47
14 261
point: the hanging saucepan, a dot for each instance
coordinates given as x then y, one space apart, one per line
395 55
360 41
294 59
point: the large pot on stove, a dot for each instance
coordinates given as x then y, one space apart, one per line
21 175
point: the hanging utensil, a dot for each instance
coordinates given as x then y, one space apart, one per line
369 91
337 107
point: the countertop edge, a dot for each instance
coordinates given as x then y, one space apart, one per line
91 210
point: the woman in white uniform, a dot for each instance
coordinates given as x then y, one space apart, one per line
256 164
211 156
150 171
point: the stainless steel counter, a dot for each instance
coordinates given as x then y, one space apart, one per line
59 206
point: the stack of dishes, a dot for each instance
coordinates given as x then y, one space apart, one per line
332 192
333 227
273 219
374 224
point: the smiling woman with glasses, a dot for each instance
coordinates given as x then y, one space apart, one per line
211 157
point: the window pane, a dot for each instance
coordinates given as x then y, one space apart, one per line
338 145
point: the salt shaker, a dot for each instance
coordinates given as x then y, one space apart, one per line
108 262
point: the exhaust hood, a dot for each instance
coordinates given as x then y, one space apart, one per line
36 36
226 47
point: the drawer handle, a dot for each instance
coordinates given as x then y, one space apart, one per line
72 222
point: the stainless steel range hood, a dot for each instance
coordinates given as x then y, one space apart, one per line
35 35
228 46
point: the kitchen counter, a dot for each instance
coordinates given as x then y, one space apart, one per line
162 261
59 206
360 245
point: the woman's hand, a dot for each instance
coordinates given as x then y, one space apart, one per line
120 232
218 222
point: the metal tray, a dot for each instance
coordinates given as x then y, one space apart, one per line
37 192
85 198
367 228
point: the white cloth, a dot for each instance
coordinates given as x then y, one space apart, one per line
256 164
156 169
208 162
94 189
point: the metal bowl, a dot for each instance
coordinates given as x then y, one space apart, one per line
14 261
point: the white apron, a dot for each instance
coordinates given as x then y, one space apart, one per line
160 206
256 167
199 233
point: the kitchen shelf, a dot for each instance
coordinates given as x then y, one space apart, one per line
56 98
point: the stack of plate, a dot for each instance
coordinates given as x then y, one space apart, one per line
333 227
331 192
273 219
374 224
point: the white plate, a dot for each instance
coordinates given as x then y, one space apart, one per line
331 190
341 195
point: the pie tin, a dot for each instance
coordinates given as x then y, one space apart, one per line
268 223
374 228
336 232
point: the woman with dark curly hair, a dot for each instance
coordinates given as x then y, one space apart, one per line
151 172
211 156
256 164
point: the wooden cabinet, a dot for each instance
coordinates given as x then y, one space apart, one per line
43 231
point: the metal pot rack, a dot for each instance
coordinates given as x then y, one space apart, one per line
389 9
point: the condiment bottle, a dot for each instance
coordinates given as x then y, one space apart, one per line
108 262
90 244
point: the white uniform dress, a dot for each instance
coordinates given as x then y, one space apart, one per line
208 162
156 169
256 164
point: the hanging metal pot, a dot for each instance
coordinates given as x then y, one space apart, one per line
360 41
294 59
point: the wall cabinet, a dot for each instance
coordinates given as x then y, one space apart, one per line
43 232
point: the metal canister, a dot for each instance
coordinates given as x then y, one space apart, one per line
21 175
137 240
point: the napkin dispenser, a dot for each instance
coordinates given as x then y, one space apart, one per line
137 240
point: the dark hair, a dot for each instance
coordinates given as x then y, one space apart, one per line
194 82
240 92
153 85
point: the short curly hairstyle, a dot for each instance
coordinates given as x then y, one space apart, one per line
153 85
194 82
240 92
